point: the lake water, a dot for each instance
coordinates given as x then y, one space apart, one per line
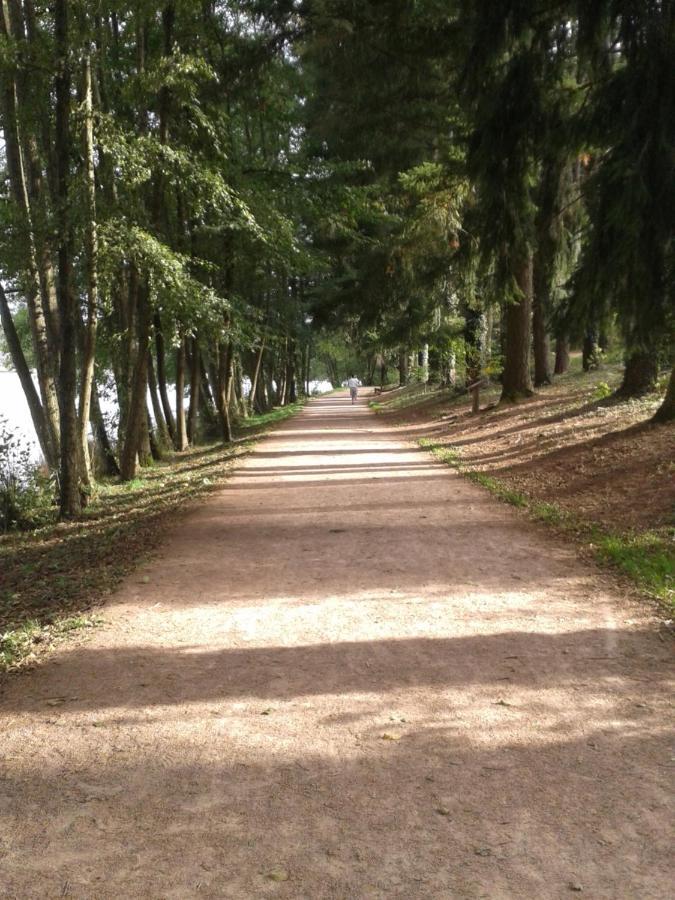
14 409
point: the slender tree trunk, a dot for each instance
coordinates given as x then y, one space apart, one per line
22 370
516 381
223 389
666 412
256 375
195 378
161 378
162 433
540 339
562 356
46 356
70 471
137 416
181 442
91 248
640 374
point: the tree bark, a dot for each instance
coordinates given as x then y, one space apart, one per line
181 441
91 251
195 378
256 375
70 470
640 374
137 415
590 351
161 378
223 389
562 356
21 367
666 412
162 433
540 339
516 381
110 466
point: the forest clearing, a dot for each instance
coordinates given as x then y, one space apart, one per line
337 449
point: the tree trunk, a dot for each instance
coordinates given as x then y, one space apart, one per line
22 370
562 356
640 374
516 381
223 389
181 441
666 412
137 415
254 384
590 351
162 433
110 466
540 339
91 250
195 378
161 378
403 368
70 470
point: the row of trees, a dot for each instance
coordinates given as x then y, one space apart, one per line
194 193
519 161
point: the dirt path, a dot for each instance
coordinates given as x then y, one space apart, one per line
350 674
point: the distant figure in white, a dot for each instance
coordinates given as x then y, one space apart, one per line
354 384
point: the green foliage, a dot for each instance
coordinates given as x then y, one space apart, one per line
26 493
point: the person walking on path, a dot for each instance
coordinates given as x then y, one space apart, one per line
354 384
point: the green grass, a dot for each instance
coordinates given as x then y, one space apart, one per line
648 559
265 420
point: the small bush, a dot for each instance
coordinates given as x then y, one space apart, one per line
602 390
26 491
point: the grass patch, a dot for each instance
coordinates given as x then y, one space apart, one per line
647 559
50 576
20 645
254 424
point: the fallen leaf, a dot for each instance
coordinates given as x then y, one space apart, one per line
442 810
277 875
387 736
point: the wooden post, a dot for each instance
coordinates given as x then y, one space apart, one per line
474 390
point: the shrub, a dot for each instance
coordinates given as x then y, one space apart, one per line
26 491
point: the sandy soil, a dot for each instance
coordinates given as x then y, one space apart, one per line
350 674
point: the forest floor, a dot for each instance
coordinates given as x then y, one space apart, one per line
349 673
573 456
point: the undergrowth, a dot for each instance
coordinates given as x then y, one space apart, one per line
647 558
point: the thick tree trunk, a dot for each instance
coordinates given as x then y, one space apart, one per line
21 367
71 457
640 374
562 356
666 412
516 381
403 368
181 441
195 378
161 378
590 351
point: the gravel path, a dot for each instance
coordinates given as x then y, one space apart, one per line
349 674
